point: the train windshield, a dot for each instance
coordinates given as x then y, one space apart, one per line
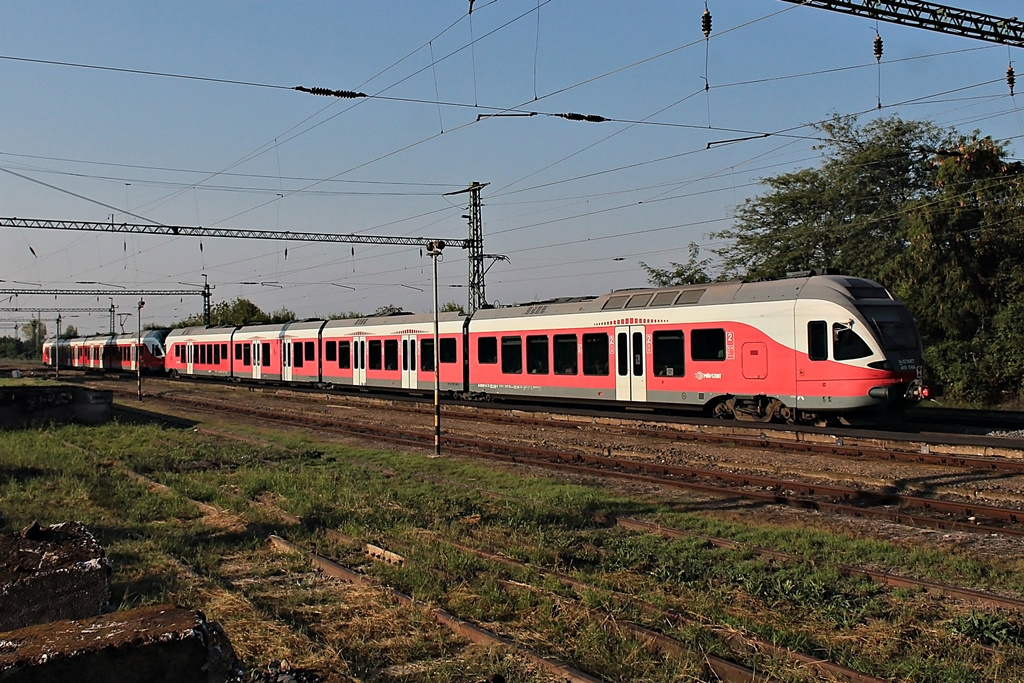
894 326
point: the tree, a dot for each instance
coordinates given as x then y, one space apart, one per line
846 214
389 309
69 332
35 333
238 312
933 214
693 272
11 347
452 307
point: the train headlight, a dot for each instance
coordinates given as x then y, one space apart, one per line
880 365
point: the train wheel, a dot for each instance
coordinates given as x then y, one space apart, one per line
722 411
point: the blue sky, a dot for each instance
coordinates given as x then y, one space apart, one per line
575 206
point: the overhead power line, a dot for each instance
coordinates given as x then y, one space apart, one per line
930 16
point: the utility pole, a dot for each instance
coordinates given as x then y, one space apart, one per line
434 249
206 299
138 350
475 244
56 351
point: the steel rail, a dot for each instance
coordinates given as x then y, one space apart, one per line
854 502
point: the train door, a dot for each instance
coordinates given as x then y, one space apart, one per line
286 360
359 361
257 367
631 351
754 359
409 375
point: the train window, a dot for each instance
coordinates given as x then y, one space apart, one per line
390 354
449 351
265 352
566 358
817 340
427 355
512 355
595 354
707 344
664 298
343 354
412 354
894 327
638 301
690 296
487 350
202 354
216 354
537 355
375 355
224 350
238 351
847 344
246 355
614 302
330 351
297 354
638 354
668 353
405 355
310 351
622 353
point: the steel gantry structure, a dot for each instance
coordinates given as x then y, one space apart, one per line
204 292
61 311
474 243
930 16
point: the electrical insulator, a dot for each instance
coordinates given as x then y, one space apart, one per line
705 23
878 48
1010 78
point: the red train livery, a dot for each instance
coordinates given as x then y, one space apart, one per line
796 349
114 352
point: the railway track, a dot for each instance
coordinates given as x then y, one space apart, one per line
876 503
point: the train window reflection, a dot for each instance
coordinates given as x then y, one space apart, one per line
817 340
537 354
894 326
512 355
847 344
487 350
427 355
595 354
449 351
566 361
668 353
375 354
391 354
707 344
344 351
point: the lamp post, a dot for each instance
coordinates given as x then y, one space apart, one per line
434 249
56 351
138 350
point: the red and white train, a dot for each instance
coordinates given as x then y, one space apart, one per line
796 349
114 352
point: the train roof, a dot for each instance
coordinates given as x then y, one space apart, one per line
125 337
836 288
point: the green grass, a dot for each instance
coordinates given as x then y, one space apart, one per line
52 475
